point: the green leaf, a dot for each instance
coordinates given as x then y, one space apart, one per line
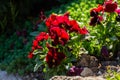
38 65
42 27
42 56
35 33
113 38
37 51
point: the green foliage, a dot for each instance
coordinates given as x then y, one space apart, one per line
112 75
14 13
14 51
8 16
80 11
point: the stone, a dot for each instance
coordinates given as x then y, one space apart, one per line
83 61
87 61
93 62
77 78
87 72
5 76
95 69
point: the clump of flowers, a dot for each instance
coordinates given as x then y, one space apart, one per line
52 47
109 6
105 17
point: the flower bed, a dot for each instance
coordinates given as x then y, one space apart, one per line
60 47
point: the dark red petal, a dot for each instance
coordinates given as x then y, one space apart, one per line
83 31
30 55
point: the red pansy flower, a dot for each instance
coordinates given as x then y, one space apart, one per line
51 20
110 6
74 26
96 20
63 21
59 35
83 31
100 8
94 12
64 37
58 20
42 36
54 32
54 58
36 45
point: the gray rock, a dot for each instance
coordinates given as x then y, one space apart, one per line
76 78
5 76
87 72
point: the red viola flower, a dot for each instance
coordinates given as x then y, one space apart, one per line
51 20
66 14
54 32
96 20
36 45
83 31
58 20
54 58
59 35
94 12
100 8
110 6
64 37
63 21
42 36
30 55
74 26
